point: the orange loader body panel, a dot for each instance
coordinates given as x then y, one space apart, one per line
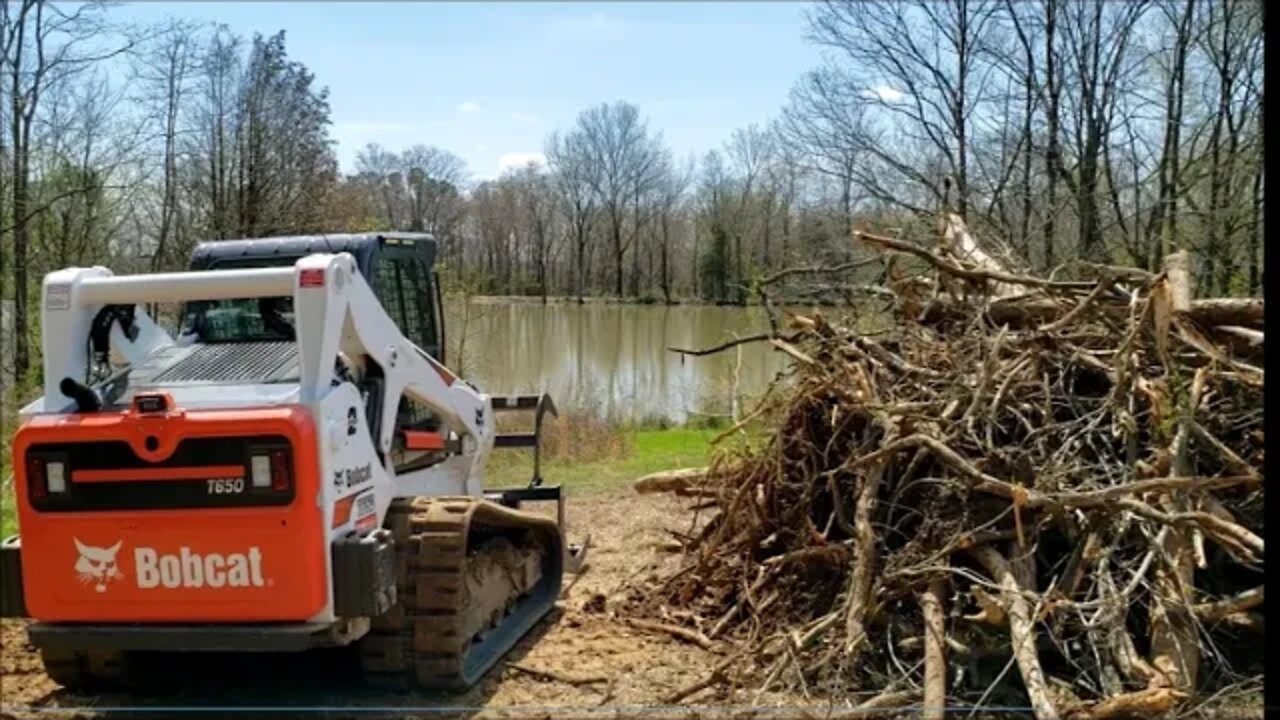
232 564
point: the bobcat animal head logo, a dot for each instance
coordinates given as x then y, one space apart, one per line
98 565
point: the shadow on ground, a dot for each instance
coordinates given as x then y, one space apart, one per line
320 683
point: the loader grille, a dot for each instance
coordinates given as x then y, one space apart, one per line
235 362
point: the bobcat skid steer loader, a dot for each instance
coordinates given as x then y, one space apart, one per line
294 468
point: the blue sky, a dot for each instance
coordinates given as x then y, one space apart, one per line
489 80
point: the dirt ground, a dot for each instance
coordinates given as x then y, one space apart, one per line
604 667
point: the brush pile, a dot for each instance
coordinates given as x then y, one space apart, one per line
1030 493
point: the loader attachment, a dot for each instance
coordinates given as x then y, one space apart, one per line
575 555
541 405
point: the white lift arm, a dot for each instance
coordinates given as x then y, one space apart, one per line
334 310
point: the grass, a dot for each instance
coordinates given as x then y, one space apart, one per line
602 459
648 451
8 502
8 510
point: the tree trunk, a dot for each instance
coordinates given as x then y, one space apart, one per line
581 246
1167 203
959 109
1091 247
617 255
1255 229
665 267
1051 153
18 111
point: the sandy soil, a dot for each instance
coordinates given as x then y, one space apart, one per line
606 668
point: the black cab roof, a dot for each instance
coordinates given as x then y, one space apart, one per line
362 246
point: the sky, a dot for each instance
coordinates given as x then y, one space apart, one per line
489 81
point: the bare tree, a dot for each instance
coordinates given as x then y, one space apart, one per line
1164 214
917 63
1096 36
623 155
433 177
47 45
164 75
211 179
569 157
675 181
749 149
824 127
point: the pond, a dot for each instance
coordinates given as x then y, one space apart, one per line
611 359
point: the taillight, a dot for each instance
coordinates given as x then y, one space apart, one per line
269 468
46 476
35 478
279 471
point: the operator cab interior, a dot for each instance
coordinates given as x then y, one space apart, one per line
398 266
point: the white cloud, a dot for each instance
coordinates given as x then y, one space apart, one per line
513 160
526 118
884 93
469 106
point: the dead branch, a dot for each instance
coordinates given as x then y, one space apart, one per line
1152 702
556 676
935 652
969 274
690 636
1237 603
1105 430
757 337
1021 630
715 677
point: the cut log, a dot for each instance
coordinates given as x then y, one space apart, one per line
1247 312
957 241
1177 267
672 481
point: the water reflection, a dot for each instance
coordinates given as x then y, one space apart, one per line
612 359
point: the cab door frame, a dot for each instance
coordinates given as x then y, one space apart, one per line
424 293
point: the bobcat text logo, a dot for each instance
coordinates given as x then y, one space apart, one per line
98 565
352 477
193 570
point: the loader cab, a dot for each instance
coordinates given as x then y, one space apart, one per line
398 266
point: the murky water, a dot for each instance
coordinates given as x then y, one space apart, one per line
612 359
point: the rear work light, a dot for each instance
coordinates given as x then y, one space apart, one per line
56 476
269 469
46 476
260 471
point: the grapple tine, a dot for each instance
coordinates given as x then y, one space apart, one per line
541 405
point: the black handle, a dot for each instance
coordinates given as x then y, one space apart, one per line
86 399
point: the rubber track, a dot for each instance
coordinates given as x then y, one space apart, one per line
420 641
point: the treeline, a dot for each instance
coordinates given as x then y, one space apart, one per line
1061 130
123 146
